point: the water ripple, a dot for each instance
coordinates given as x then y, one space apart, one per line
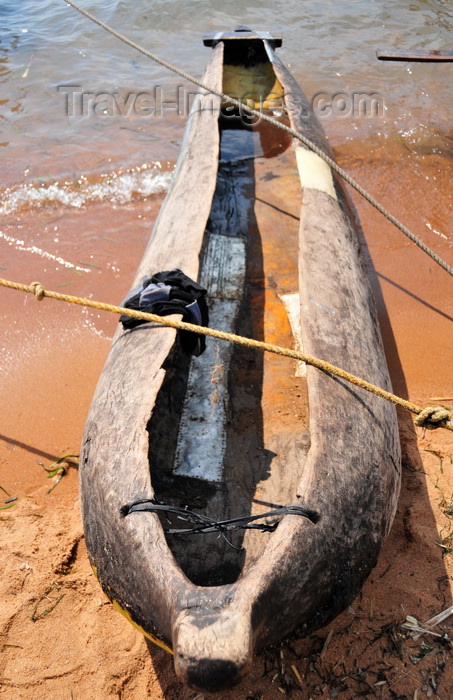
117 187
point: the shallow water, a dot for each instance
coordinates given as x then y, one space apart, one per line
329 46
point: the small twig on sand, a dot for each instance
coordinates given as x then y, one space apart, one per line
59 468
10 501
437 619
53 603
298 677
326 644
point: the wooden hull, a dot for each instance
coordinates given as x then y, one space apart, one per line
347 469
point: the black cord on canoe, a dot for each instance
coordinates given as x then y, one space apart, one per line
203 524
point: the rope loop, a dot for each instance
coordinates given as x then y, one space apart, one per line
38 290
433 417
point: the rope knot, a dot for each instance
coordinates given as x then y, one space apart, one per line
38 290
433 417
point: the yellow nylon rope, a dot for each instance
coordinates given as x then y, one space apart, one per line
429 417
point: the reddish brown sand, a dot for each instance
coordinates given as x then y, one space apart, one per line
60 638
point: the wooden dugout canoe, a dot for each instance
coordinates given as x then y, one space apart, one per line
261 222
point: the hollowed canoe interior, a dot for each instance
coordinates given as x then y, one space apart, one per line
229 432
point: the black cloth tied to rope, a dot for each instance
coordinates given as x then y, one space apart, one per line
171 292
203 524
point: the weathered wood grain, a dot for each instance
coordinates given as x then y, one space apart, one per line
352 473
131 554
304 573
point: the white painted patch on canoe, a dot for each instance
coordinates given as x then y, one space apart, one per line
314 173
201 441
292 306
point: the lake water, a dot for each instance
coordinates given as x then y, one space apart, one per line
329 46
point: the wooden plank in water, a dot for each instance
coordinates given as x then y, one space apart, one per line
420 56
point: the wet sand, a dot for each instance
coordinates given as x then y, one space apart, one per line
52 355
